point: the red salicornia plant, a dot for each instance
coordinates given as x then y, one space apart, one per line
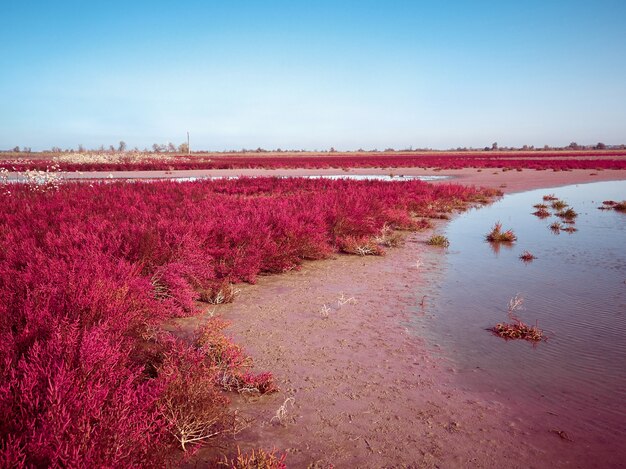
516 329
527 256
496 235
88 272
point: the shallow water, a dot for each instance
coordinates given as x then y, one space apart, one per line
354 177
575 290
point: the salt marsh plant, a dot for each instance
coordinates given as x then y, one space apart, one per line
556 227
438 240
516 329
541 213
496 235
527 256
89 273
256 459
568 214
558 205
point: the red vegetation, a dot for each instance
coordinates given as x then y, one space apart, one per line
541 213
527 256
88 272
258 459
517 329
542 160
496 235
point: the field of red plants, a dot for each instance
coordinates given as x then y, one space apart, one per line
539 160
88 272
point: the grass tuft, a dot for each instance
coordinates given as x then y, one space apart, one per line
438 240
556 227
558 205
259 459
541 213
496 235
516 329
568 214
527 256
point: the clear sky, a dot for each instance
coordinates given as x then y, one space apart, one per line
312 74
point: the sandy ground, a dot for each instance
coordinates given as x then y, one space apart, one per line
361 390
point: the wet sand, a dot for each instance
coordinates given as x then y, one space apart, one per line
362 390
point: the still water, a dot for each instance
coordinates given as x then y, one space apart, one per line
353 177
575 290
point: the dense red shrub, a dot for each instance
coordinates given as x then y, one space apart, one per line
87 272
507 160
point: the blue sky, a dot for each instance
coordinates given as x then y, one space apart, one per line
303 74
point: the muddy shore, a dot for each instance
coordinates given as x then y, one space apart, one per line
361 390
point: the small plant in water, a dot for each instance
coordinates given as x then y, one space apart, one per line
527 256
516 329
496 235
438 240
541 213
556 227
540 206
559 205
568 214
549 197
620 206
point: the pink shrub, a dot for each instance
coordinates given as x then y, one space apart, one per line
505 160
88 272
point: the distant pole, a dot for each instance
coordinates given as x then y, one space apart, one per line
188 147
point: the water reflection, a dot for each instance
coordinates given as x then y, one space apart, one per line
496 247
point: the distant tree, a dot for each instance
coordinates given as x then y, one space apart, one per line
494 146
56 150
183 148
600 146
16 149
573 146
111 148
26 150
171 147
101 148
332 150
156 147
81 148
122 146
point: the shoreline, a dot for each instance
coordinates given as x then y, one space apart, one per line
366 391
